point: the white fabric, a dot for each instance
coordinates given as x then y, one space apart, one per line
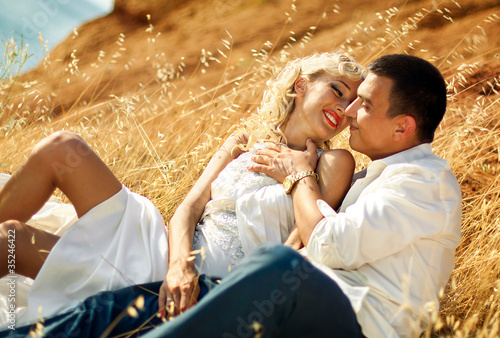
372 172
392 251
123 241
245 210
265 215
120 242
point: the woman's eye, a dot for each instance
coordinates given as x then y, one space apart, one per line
339 93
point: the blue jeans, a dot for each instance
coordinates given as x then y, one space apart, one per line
275 292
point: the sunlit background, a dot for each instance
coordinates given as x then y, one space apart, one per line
53 20
157 85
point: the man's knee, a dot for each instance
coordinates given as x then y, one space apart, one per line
275 252
275 258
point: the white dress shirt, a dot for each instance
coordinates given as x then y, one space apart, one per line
392 251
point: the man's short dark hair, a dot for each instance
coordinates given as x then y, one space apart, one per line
418 90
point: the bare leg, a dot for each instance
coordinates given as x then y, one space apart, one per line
25 247
62 160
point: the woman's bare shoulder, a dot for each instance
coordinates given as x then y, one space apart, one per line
337 157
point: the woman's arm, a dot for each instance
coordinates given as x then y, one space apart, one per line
180 284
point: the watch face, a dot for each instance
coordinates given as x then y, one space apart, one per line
287 184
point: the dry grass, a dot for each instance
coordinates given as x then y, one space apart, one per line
158 141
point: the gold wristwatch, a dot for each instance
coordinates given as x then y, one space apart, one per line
290 180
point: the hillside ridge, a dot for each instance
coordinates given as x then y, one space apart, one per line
182 29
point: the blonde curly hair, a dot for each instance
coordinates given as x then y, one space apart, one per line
278 101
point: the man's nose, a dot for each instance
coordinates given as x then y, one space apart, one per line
352 109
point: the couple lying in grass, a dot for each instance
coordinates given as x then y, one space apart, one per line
377 257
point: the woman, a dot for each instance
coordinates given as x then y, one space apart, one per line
120 238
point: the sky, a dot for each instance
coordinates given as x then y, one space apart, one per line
55 19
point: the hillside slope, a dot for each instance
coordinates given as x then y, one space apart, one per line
179 31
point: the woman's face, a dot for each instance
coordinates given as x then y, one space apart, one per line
320 106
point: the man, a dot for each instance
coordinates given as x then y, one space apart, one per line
379 263
397 228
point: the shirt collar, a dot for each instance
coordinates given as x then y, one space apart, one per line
408 155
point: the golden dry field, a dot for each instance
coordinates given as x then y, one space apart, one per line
155 87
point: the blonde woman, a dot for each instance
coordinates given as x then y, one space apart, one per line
120 238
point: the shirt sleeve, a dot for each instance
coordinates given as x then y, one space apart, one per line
400 207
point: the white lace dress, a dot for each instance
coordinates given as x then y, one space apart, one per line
123 241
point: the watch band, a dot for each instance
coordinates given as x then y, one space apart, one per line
290 180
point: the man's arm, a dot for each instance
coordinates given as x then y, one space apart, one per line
278 162
307 215
406 205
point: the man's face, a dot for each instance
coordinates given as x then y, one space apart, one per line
371 130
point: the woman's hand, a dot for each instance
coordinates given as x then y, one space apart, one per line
179 291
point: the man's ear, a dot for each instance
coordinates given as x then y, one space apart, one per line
405 127
300 85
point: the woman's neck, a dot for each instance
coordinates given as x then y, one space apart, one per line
294 134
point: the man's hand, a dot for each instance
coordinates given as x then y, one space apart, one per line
178 292
279 161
